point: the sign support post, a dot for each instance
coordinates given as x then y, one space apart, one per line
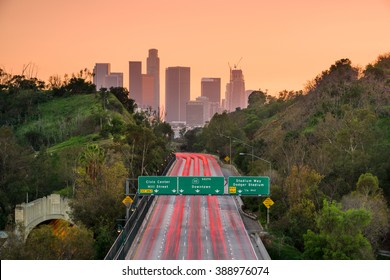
267 217
268 202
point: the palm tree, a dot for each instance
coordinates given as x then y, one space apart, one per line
92 158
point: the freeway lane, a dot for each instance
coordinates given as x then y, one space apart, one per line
193 227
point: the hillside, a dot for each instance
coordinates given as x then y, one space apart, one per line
329 150
44 137
77 142
71 122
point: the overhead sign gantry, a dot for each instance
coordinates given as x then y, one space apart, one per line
203 185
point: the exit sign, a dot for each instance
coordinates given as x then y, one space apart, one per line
246 185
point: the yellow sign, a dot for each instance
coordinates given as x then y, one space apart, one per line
127 201
232 190
268 202
227 158
145 191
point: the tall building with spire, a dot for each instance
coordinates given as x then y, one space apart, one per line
235 90
153 69
177 93
145 88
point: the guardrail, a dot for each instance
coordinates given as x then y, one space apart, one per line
126 237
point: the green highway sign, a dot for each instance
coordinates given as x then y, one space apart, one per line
245 185
202 185
157 185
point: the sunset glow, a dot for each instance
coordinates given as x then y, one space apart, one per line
283 44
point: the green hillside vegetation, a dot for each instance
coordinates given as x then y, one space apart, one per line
69 121
320 143
67 138
328 146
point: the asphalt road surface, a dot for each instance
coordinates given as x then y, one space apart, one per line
193 227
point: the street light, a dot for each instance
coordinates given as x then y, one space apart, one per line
242 142
120 230
270 168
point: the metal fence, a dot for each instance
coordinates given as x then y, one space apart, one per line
126 237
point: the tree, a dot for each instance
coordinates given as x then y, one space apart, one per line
369 196
99 188
99 193
302 183
216 134
49 242
20 82
103 94
368 185
348 145
192 139
72 243
257 99
339 234
4 78
380 70
164 130
123 96
92 159
14 170
303 197
80 83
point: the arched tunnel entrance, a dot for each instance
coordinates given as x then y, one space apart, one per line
58 227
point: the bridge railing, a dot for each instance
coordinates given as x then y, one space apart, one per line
32 213
126 237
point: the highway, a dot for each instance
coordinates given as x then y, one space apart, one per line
193 227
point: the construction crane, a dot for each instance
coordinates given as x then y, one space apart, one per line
236 65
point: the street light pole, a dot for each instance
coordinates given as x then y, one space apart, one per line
250 146
230 144
269 163
230 148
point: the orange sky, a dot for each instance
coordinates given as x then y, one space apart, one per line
283 43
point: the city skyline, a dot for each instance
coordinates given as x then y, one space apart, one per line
283 44
145 88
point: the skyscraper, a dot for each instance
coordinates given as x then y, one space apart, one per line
135 81
114 79
211 88
177 93
153 69
235 90
100 71
195 113
148 92
206 105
